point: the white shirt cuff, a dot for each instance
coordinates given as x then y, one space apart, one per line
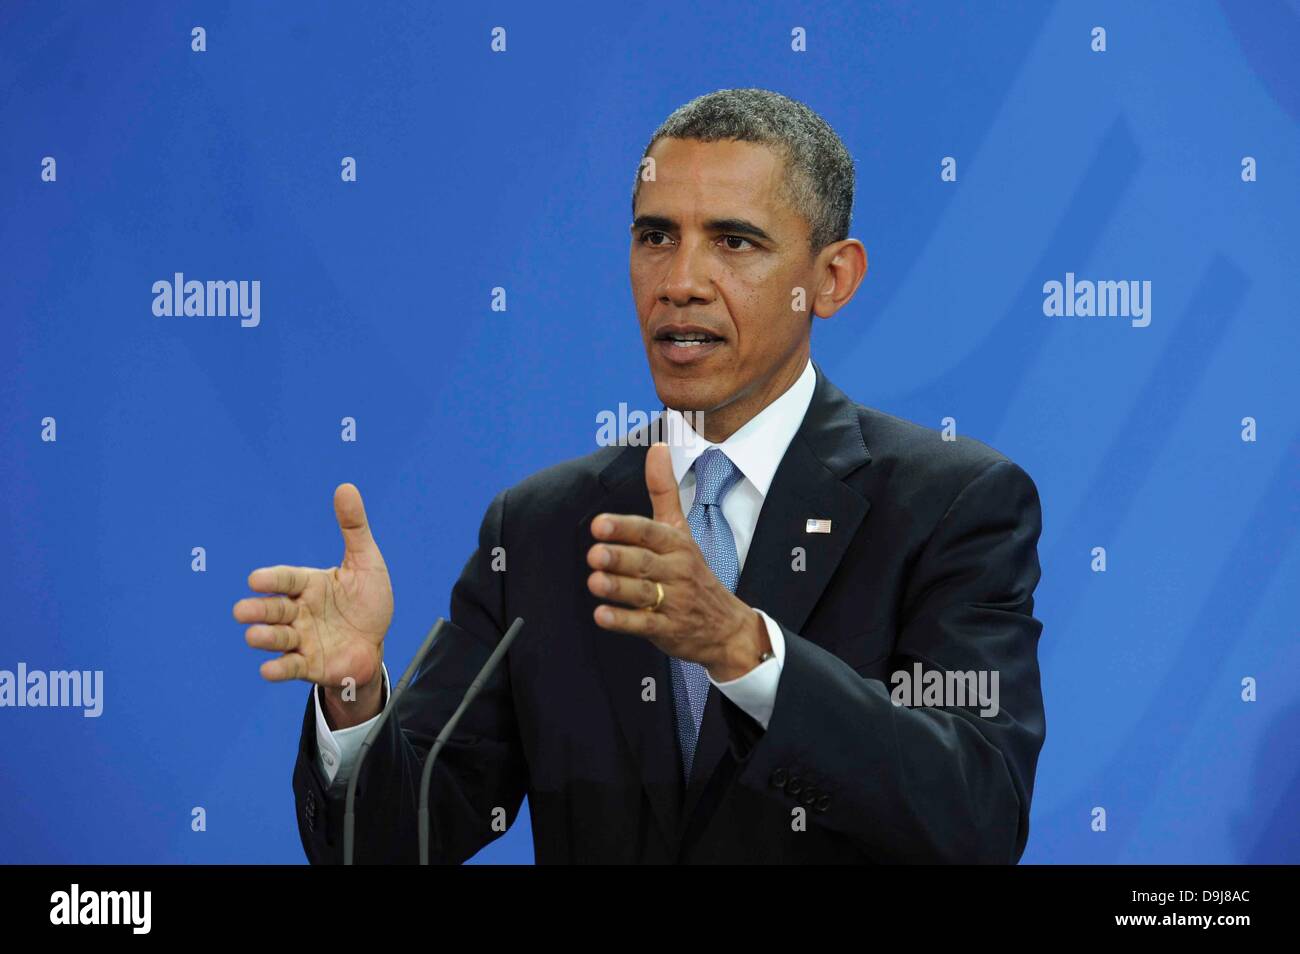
336 749
755 691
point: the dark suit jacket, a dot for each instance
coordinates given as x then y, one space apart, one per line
932 558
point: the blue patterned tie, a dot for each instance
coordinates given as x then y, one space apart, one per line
715 474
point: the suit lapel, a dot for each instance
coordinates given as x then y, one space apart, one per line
625 661
808 484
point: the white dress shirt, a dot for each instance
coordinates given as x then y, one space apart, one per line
756 449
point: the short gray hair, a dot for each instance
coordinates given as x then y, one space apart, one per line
819 170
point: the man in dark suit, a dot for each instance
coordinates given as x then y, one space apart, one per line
713 622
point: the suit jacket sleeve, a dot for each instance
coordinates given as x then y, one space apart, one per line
480 770
916 784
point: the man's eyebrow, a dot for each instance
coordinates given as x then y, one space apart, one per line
730 226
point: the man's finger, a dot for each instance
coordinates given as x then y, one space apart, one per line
628 561
637 530
351 515
636 622
664 493
289 580
623 589
270 609
279 638
286 667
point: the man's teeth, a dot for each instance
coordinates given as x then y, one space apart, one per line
690 340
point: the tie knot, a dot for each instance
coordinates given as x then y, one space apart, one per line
715 474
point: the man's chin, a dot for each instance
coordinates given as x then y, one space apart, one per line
693 386
686 396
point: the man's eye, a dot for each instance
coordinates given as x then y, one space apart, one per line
647 236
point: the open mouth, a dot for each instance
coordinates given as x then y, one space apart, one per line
693 339
686 345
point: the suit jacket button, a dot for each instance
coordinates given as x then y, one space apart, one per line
795 786
810 795
822 803
779 778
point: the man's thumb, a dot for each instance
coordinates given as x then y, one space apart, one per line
661 483
351 515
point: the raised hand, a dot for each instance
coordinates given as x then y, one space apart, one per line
329 625
698 618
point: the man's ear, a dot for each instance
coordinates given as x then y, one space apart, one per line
842 267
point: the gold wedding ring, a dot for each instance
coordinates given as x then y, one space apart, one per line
659 587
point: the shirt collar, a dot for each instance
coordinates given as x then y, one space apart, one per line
756 448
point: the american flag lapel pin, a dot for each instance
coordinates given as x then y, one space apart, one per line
817 526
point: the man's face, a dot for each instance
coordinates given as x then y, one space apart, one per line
717 250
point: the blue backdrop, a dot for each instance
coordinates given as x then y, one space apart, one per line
477 170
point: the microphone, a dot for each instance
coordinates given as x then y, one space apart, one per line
470 693
349 821
349 817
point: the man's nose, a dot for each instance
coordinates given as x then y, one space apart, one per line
687 276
